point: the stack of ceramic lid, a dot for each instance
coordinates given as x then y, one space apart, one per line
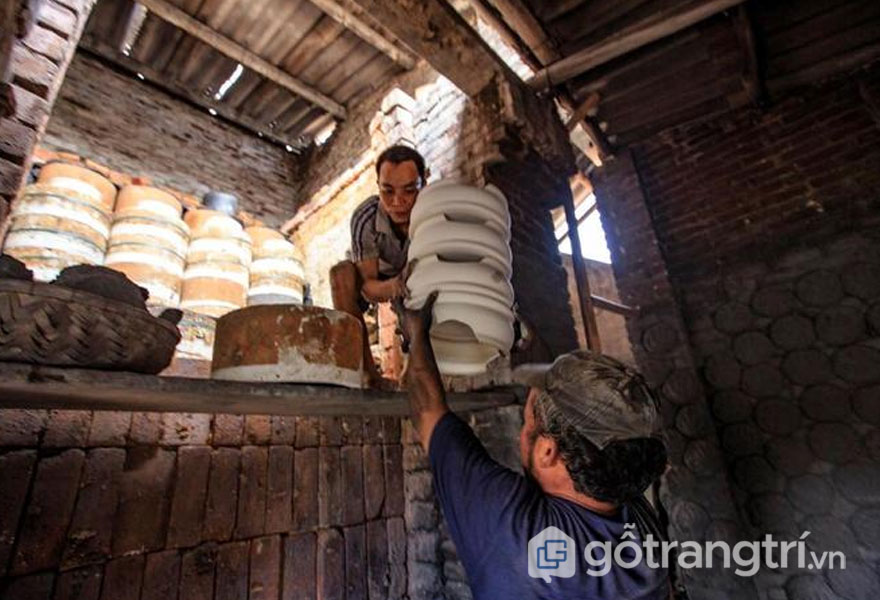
216 278
276 275
62 221
460 236
148 242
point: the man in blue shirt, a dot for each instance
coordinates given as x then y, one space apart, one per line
590 447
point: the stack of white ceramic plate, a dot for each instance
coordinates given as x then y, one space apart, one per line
460 237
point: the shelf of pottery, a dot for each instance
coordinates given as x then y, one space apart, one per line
203 261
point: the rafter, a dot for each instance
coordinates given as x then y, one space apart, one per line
346 16
184 21
628 39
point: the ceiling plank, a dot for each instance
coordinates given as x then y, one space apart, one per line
437 33
635 36
363 30
233 50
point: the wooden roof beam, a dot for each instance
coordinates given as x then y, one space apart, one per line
516 14
192 26
437 33
345 15
630 38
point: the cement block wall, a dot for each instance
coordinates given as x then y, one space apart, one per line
750 242
110 505
132 127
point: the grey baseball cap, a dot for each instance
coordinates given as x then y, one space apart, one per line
599 396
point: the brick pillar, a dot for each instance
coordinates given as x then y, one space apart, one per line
695 491
39 62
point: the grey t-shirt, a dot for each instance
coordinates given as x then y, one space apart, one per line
372 236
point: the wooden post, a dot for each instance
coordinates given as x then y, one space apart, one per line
580 275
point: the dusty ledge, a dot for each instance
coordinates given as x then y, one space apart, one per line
36 387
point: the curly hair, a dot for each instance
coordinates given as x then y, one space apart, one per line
617 473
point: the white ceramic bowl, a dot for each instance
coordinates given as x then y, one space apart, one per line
461 242
432 273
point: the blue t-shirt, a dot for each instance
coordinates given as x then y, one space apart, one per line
493 513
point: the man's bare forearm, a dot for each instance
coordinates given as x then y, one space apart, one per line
378 291
427 399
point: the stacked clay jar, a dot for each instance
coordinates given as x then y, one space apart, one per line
276 275
61 221
148 242
460 238
216 278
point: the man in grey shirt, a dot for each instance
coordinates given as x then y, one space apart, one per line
379 242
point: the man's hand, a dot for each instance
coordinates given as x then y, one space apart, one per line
427 398
415 324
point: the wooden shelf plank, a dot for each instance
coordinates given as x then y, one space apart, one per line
36 387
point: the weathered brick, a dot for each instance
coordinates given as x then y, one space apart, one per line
283 430
47 516
257 429
355 562
123 578
374 481
89 535
265 573
16 140
228 430
190 490
15 473
80 584
197 573
30 587
373 432
146 428
391 430
21 427
232 571
352 485
144 498
397 581
251 518
58 18
222 500
279 501
330 431
394 497
161 575
66 428
48 43
377 560
330 565
352 431
109 428
330 504
305 489
300 565
306 432
180 429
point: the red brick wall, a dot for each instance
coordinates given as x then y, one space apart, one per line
110 505
38 65
723 190
133 127
759 232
